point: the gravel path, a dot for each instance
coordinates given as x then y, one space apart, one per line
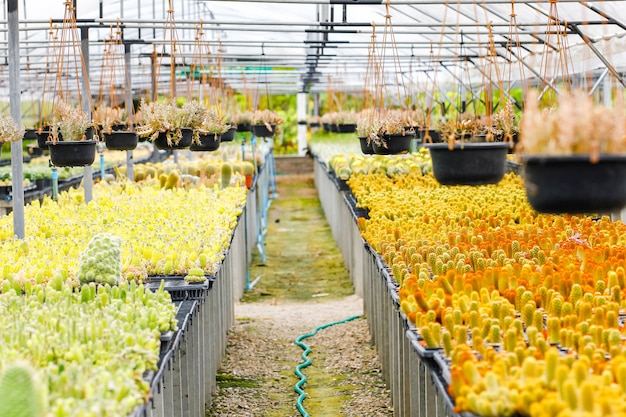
257 374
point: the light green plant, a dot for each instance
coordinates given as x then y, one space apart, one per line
101 261
21 391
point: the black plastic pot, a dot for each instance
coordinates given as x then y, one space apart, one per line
346 128
121 141
229 135
435 136
30 134
573 184
210 142
468 163
73 153
243 127
394 144
366 147
326 127
42 138
185 140
261 131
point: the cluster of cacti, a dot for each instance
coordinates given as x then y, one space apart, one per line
90 348
494 285
162 232
345 166
195 275
101 261
207 172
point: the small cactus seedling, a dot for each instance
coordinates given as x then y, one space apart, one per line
22 395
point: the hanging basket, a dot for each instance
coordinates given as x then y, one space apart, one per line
229 136
346 128
243 127
261 131
121 141
435 136
469 163
395 144
210 142
573 184
185 141
42 139
366 148
72 153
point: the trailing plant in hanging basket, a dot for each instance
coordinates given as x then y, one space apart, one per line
110 118
69 123
164 119
265 123
574 155
9 130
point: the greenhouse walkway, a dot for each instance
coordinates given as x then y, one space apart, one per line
301 285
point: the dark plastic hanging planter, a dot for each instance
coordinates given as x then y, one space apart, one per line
261 131
573 184
161 141
73 153
210 142
346 128
469 163
229 135
243 127
42 138
120 141
366 147
394 144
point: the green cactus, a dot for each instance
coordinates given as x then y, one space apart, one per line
101 260
227 172
22 395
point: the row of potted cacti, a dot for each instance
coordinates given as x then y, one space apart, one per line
168 226
515 303
86 350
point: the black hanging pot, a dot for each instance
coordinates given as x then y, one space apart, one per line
121 141
72 153
210 142
261 131
435 136
393 144
243 127
346 128
573 184
185 140
30 134
42 138
468 163
366 146
229 135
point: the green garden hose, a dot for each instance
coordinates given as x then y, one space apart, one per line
307 362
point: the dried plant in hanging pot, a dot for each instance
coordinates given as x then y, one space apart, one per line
265 123
68 144
9 130
574 155
165 124
109 118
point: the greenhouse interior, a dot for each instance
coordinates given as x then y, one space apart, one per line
305 232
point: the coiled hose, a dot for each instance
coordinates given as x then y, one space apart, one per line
307 361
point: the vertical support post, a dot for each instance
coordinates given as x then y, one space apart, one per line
84 46
129 108
301 110
16 113
153 72
316 104
607 93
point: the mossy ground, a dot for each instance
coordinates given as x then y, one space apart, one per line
302 259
